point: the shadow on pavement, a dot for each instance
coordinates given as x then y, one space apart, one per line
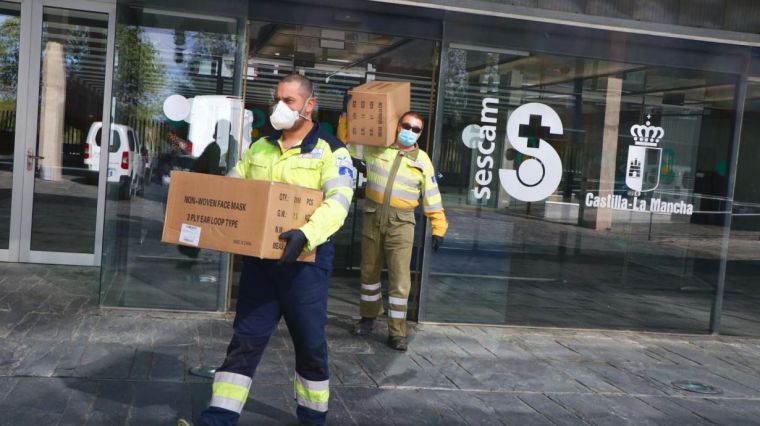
153 387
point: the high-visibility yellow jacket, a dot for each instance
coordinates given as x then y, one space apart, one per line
414 179
342 131
319 162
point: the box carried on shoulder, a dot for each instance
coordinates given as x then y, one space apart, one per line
374 111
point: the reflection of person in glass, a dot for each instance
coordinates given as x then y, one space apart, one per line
397 177
177 150
208 163
299 154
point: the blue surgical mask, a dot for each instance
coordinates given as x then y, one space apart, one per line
407 138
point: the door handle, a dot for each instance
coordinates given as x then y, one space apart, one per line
30 158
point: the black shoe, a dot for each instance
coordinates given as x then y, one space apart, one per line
364 326
397 342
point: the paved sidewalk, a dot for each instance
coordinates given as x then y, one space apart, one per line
64 361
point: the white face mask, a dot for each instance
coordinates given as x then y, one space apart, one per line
285 118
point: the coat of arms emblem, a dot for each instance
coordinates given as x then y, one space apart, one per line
643 170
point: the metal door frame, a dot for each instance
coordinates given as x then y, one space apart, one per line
11 253
27 111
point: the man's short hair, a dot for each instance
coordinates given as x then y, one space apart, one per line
307 88
411 114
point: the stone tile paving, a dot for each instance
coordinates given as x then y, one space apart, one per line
64 361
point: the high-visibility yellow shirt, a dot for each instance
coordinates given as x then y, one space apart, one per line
414 179
319 162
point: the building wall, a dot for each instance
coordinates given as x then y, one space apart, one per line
737 20
729 15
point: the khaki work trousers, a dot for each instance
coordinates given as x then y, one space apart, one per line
387 235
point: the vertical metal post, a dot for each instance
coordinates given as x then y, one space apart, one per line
717 305
355 203
238 89
219 79
107 117
23 99
435 156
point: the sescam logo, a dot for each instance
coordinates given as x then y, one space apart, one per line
527 128
539 176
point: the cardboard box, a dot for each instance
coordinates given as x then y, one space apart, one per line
235 215
374 110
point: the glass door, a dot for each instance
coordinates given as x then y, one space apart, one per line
177 94
336 61
64 172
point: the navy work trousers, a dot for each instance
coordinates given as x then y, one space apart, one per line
267 292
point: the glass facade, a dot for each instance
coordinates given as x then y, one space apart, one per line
622 224
177 90
591 178
197 58
598 247
587 178
740 314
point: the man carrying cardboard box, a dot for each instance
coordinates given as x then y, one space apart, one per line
397 177
298 154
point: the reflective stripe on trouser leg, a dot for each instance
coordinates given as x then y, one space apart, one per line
313 395
257 315
230 391
398 252
371 302
304 305
371 292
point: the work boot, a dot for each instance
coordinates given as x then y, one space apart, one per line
364 326
397 342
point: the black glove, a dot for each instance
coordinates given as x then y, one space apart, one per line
437 242
361 165
296 240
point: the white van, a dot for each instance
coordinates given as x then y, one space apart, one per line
125 161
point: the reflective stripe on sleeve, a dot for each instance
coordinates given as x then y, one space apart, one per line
336 183
341 199
312 394
430 193
397 301
433 207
